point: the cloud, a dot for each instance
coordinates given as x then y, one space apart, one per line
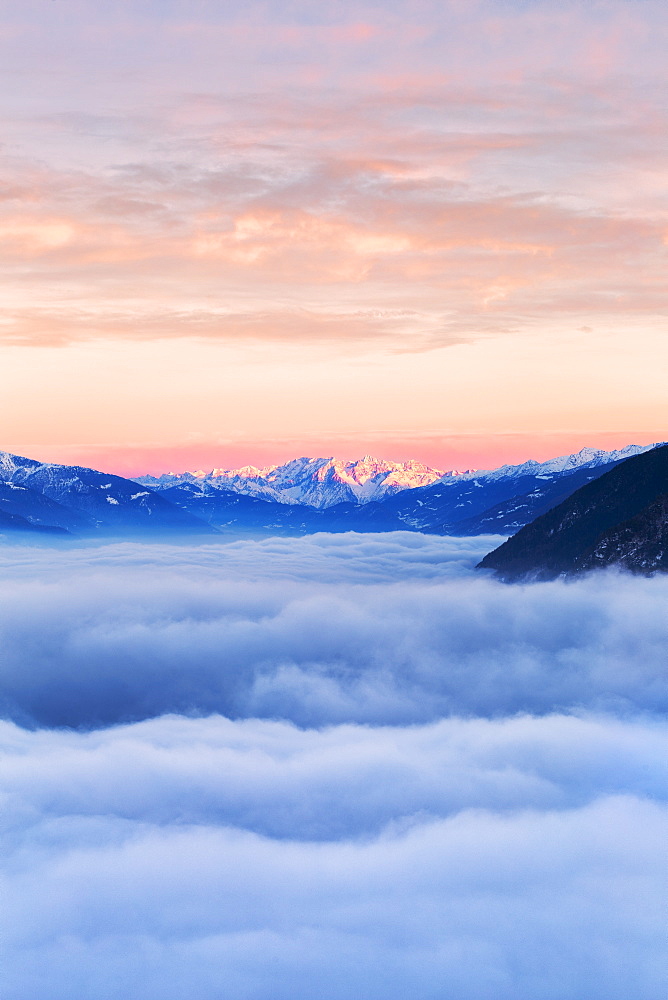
457 787
420 211
321 630
140 253
493 859
342 782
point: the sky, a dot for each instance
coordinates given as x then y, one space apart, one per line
235 233
334 766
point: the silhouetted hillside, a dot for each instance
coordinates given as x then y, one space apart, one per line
619 519
639 545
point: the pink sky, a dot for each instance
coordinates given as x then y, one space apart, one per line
235 234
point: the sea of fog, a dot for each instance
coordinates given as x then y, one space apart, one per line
340 767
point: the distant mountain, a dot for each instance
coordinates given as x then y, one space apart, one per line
21 501
319 495
639 544
83 501
316 482
420 497
618 519
14 523
509 516
226 509
500 500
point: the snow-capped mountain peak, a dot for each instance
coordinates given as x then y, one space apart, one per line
366 494
319 482
322 482
586 458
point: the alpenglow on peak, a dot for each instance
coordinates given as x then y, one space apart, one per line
319 482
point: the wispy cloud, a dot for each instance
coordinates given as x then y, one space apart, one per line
422 179
488 198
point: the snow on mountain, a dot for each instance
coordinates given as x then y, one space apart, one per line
13 465
367 494
586 458
318 482
617 519
82 500
500 498
323 482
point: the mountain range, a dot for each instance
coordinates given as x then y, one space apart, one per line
497 501
619 519
326 482
317 494
78 501
317 482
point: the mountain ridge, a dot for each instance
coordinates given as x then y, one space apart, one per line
617 519
323 482
316 482
85 501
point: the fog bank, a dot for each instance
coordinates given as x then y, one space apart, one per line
332 767
508 859
318 631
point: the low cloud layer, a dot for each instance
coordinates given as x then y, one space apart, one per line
337 766
348 781
323 630
515 860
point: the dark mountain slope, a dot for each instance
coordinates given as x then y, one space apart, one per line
86 501
12 523
639 545
509 516
564 540
222 509
372 516
38 509
488 502
228 509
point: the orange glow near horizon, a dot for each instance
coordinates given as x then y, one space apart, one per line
231 239
476 452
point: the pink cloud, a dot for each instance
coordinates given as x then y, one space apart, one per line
142 254
377 181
